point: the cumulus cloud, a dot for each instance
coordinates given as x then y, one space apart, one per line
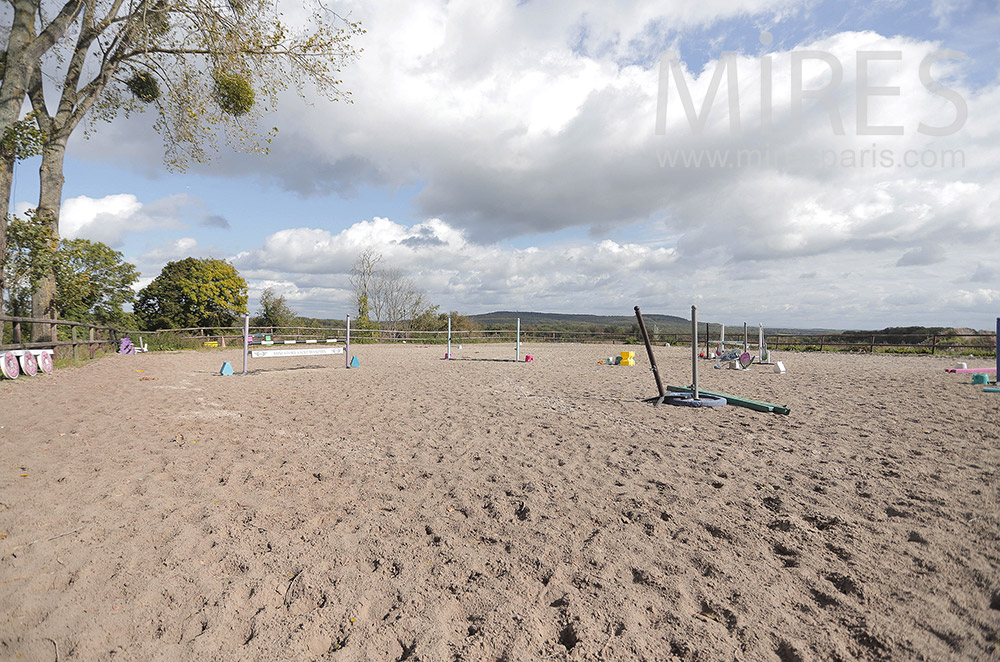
533 118
455 272
110 218
171 251
920 257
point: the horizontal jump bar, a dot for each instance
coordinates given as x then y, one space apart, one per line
294 342
260 354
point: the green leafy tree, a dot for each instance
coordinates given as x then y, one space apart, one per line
93 282
364 320
29 34
209 69
274 311
29 254
192 293
458 322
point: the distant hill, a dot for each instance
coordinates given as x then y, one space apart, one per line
663 323
567 321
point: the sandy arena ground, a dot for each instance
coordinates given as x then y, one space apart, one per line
418 509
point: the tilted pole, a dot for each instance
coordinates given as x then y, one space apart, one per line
649 352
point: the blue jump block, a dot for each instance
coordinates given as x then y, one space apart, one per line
227 369
354 362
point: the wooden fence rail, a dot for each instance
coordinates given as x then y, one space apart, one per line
96 335
916 343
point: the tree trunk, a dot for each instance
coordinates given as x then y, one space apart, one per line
50 182
6 173
24 51
16 74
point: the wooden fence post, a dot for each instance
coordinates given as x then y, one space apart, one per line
933 344
76 348
873 345
16 337
91 343
821 340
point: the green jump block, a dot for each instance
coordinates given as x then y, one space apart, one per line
756 405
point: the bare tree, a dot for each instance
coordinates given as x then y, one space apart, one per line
387 295
362 280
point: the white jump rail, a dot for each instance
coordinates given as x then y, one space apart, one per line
248 342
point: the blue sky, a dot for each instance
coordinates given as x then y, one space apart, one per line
504 156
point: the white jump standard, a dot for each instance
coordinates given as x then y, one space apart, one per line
249 342
517 348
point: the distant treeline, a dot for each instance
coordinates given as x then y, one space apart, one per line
660 325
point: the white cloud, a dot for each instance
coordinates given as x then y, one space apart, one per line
173 250
519 120
455 272
110 218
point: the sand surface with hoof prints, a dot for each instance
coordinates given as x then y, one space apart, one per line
421 509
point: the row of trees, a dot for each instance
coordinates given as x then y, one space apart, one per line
94 283
208 69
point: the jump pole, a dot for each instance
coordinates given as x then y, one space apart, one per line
652 359
246 341
517 345
691 396
347 345
694 352
746 339
448 356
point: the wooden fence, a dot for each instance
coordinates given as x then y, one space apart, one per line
94 336
875 343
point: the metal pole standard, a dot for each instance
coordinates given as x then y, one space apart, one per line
694 352
449 338
517 345
746 338
997 380
652 359
246 340
347 343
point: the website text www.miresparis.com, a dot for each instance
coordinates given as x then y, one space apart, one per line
872 157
